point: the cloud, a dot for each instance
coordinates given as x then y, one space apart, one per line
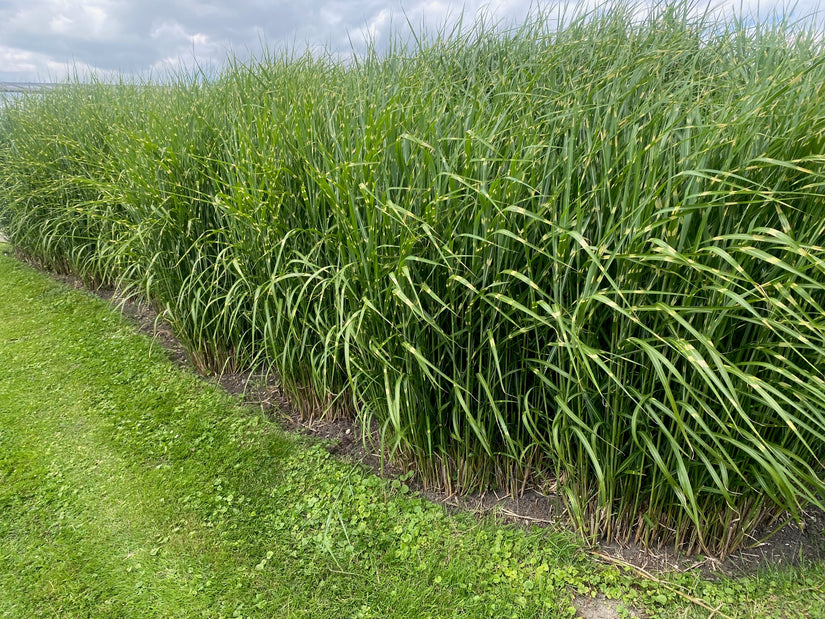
21 65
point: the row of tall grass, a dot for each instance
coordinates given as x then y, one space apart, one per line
583 255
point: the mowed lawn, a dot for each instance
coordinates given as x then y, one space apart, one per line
129 487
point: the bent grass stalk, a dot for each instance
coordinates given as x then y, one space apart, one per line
589 257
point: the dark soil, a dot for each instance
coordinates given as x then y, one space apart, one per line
787 544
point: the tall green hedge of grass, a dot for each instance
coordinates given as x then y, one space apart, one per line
586 256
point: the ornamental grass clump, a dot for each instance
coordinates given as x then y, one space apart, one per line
587 255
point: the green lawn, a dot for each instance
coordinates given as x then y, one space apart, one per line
131 488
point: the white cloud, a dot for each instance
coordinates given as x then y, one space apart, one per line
176 34
377 25
20 65
19 62
82 19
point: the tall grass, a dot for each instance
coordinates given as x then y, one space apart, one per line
588 256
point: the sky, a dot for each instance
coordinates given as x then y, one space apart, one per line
46 40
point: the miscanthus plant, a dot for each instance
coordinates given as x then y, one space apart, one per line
586 254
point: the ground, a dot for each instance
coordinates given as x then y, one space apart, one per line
786 542
342 438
